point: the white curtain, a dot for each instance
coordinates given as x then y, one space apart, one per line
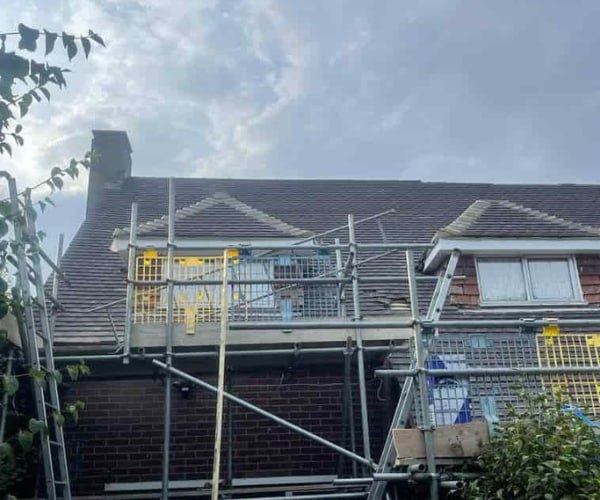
502 280
551 279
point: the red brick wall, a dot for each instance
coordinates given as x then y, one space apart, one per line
465 292
119 436
589 277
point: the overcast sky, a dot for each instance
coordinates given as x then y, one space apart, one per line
494 91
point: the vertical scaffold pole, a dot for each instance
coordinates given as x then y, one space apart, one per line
132 249
169 339
221 377
364 409
420 364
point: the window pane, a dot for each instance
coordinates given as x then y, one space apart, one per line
551 279
501 280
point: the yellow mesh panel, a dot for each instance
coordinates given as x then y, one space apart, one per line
192 303
556 349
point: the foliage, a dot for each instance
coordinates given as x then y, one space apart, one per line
543 452
23 82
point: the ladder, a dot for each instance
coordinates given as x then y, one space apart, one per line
407 396
35 330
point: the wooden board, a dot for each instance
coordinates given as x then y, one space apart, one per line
450 441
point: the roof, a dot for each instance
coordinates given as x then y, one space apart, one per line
421 208
506 219
220 215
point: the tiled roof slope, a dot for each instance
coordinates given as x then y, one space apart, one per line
421 208
506 219
221 215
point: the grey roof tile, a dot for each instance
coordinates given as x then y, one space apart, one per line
506 219
422 208
220 215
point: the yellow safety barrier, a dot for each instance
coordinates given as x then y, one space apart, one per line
192 303
556 349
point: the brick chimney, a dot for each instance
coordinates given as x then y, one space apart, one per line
110 166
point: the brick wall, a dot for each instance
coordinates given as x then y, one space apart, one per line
465 292
589 277
119 436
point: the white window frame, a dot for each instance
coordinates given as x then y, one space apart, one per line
573 273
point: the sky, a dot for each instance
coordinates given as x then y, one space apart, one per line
495 91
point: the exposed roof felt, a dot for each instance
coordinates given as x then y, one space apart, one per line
506 219
421 209
220 215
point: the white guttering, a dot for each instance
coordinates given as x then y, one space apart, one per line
508 246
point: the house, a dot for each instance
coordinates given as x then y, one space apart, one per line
526 252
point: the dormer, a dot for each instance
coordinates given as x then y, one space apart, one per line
512 255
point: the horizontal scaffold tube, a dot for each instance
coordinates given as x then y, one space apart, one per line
510 323
482 372
269 415
392 477
324 496
318 325
258 281
211 354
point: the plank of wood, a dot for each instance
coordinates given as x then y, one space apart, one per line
450 441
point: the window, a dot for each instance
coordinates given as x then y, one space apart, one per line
528 280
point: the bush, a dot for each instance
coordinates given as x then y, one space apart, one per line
541 452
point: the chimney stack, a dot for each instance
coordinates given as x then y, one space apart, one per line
110 165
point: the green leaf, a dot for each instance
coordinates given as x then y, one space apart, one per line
29 38
73 371
80 405
5 145
42 206
84 369
55 171
25 439
39 376
3 228
72 50
59 418
58 182
58 376
18 129
46 92
73 411
6 451
36 426
87 46
48 200
69 44
23 108
10 384
50 41
96 37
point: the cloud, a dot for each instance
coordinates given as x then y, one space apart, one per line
430 89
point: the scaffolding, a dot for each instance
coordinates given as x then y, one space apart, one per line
35 337
451 377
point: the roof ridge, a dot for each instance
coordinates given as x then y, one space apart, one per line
548 217
213 200
465 220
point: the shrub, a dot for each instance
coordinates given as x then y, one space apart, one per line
543 451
